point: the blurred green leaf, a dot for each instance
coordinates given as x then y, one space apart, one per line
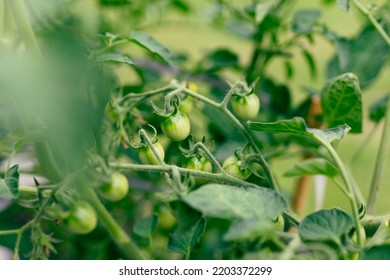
343 5
219 59
146 226
304 21
312 167
114 57
365 55
376 253
342 102
229 202
326 225
262 9
310 62
153 46
191 226
297 125
378 109
249 229
9 186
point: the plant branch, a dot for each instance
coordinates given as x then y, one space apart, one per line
350 191
372 19
380 162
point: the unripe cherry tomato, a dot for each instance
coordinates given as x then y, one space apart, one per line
82 218
246 107
177 127
186 104
232 166
147 156
116 189
200 164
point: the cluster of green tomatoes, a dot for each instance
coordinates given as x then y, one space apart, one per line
81 218
177 127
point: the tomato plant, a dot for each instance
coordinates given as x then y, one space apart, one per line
218 177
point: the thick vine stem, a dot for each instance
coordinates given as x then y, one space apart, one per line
372 19
380 161
220 178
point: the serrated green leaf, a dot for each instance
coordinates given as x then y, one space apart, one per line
378 109
191 227
304 21
343 5
376 253
297 125
229 202
150 44
326 225
342 102
114 57
249 229
146 227
312 167
9 186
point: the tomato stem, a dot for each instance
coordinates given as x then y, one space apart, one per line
372 19
380 161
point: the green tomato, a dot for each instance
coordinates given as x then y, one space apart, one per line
200 164
246 107
147 156
82 218
232 166
116 189
186 105
177 127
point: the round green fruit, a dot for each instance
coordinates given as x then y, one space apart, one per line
232 166
147 156
116 189
82 218
246 107
177 127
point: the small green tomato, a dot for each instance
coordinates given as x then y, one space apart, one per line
246 107
177 127
82 218
200 164
116 189
232 166
147 156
